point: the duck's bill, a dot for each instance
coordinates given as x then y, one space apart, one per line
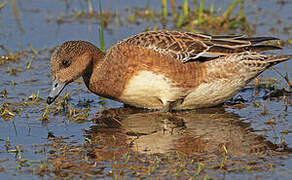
57 88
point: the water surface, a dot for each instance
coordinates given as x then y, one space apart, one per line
258 133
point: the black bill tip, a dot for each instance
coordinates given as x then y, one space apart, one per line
50 100
57 88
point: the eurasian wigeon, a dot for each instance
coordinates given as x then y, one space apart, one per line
165 70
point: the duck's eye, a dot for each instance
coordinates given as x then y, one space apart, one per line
66 63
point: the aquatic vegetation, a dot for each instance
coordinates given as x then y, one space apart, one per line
87 15
101 29
183 17
78 116
216 21
3 93
127 143
44 116
6 112
198 19
14 71
3 4
164 8
9 57
33 98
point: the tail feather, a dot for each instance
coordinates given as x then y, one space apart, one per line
278 59
259 48
217 49
256 40
220 37
223 45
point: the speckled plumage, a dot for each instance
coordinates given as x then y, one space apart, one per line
166 69
187 46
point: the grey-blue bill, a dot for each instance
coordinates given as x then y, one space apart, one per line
57 88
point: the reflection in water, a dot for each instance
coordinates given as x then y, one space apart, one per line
137 143
207 131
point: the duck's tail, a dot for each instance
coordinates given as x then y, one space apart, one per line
273 60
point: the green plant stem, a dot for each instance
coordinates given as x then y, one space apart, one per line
201 10
230 8
101 30
164 8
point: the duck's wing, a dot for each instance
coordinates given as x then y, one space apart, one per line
187 46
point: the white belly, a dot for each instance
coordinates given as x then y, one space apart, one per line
150 90
212 93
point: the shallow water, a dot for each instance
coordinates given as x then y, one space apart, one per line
260 133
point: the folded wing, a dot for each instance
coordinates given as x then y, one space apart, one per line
187 46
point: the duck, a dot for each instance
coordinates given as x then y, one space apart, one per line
163 69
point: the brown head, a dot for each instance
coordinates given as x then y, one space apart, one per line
69 61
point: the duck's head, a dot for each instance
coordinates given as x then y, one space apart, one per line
68 63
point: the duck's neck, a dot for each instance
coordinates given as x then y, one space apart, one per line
95 61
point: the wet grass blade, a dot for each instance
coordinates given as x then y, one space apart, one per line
287 76
230 8
28 66
90 9
173 7
186 8
14 9
180 20
211 8
241 10
16 16
33 50
3 4
101 30
184 14
283 76
201 11
164 8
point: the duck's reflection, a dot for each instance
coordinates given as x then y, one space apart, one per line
192 132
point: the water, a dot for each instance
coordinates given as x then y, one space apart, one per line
46 24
